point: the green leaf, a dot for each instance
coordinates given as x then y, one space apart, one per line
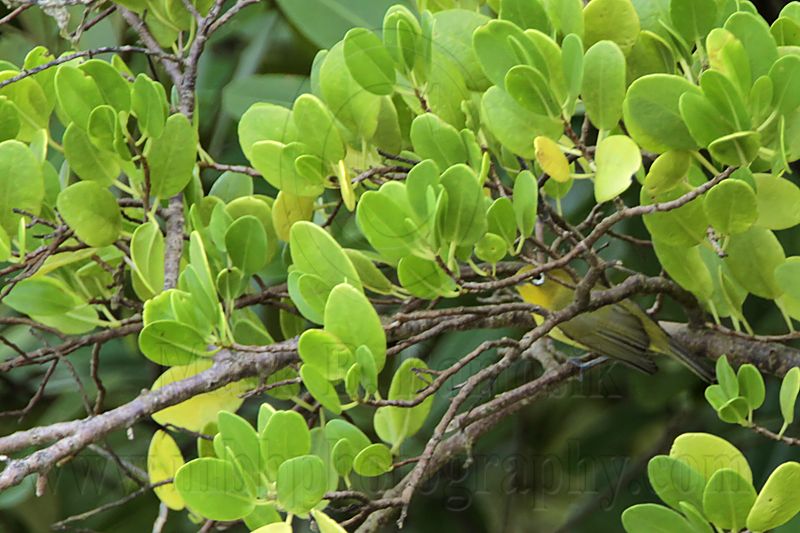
725 97
425 279
693 19
42 296
703 119
751 385
614 20
461 219
368 61
326 353
491 248
325 523
674 481
525 14
777 502
435 139
17 160
756 39
371 276
395 424
618 158
276 162
171 157
734 411
566 16
338 429
603 88
265 122
650 55
86 160
314 251
727 378
308 293
77 94
727 55
790 387
215 489
708 453
320 389
350 317
164 458
242 442
149 106
264 515
102 127
275 527
778 202
342 455
684 226
652 114
170 343
787 276
115 91
401 36
753 257
526 202
388 222
739 148
695 518
685 265
356 109
502 220
500 46
667 171
653 518
9 119
92 212
531 90
727 499
289 209
284 437
731 207
317 128
5 245
246 242
372 461
785 76
301 483
573 65
31 102
193 414
232 185
785 31
513 125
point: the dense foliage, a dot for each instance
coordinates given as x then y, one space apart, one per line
300 267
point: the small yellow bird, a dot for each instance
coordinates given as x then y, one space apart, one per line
621 331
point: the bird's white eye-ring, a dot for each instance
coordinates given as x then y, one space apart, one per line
539 281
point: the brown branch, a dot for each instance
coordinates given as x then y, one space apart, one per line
173 243
15 13
228 367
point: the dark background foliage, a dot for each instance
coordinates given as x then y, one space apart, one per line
571 462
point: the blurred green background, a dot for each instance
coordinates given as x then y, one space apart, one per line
571 462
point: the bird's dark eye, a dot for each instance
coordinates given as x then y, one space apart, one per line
540 280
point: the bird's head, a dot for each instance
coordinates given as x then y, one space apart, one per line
551 290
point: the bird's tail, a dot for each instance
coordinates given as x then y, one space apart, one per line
702 368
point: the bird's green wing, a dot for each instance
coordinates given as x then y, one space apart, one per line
614 332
